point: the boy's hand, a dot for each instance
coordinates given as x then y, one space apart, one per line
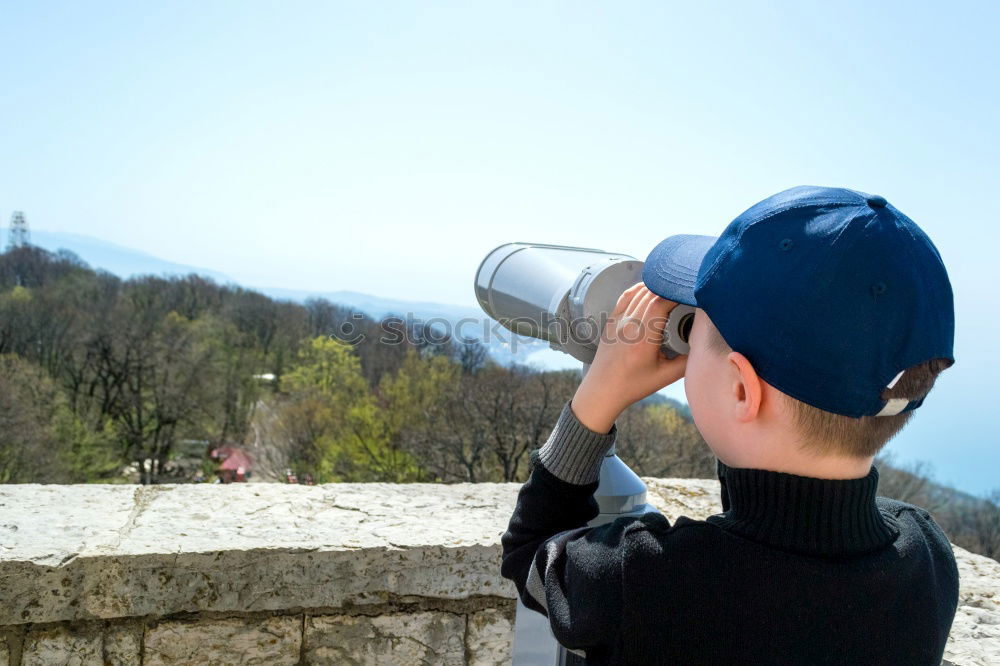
628 365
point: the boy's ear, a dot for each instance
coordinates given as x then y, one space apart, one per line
746 387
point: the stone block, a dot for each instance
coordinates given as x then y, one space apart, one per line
978 580
489 638
126 553
82 645
156 550
272 641
122 644
974 638
398 638
63 646
694 498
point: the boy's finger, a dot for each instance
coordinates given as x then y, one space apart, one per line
638 304
626 299
657 311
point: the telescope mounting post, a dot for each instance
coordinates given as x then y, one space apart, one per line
620 493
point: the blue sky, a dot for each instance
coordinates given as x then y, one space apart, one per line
385 147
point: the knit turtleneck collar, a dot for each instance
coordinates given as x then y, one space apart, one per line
824 517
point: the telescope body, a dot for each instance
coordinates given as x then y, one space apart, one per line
555 293
620 493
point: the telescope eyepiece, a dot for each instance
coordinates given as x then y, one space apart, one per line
684 328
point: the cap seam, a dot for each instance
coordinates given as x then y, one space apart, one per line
675 266
669 274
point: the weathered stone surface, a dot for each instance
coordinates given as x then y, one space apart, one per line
60 645
694 498
273 641
247 547
975 634
122 645
4 652
86 645
398 638
88 552
48 525
975 638
979 581
488 639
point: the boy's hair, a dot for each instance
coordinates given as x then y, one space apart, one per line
831 433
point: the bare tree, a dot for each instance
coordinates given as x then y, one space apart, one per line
978 529
658 440
910 482
472 355
28 451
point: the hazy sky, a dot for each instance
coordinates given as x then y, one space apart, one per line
385 148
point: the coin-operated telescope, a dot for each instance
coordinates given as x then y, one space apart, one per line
565 295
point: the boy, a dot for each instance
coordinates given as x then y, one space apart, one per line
823 316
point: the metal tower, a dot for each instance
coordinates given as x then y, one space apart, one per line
18 236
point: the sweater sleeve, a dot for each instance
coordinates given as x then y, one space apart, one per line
562 568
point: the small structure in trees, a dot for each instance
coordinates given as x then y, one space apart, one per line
235 464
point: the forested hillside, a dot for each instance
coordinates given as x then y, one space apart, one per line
100 375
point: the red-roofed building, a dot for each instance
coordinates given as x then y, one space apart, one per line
234 463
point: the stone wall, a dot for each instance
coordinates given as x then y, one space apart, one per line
279 574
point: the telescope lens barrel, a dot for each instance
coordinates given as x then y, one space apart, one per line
523 285
564 295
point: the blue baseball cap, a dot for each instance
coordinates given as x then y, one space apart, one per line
830 293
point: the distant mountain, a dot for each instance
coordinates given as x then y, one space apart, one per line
121 261
377 306
126 262
460 320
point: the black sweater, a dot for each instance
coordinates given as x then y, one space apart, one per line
795 570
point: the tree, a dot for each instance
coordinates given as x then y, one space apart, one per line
155 374
423 402
334 420
657 440
472 355
514 409
978 529
28 447
41 440
910 482
234 383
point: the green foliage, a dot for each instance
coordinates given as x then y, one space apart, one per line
351 437
90 455
132 367
41 439
329 368
19 294
412 395
27 443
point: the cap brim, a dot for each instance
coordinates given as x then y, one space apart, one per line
671 269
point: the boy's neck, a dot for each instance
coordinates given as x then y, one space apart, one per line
793 460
